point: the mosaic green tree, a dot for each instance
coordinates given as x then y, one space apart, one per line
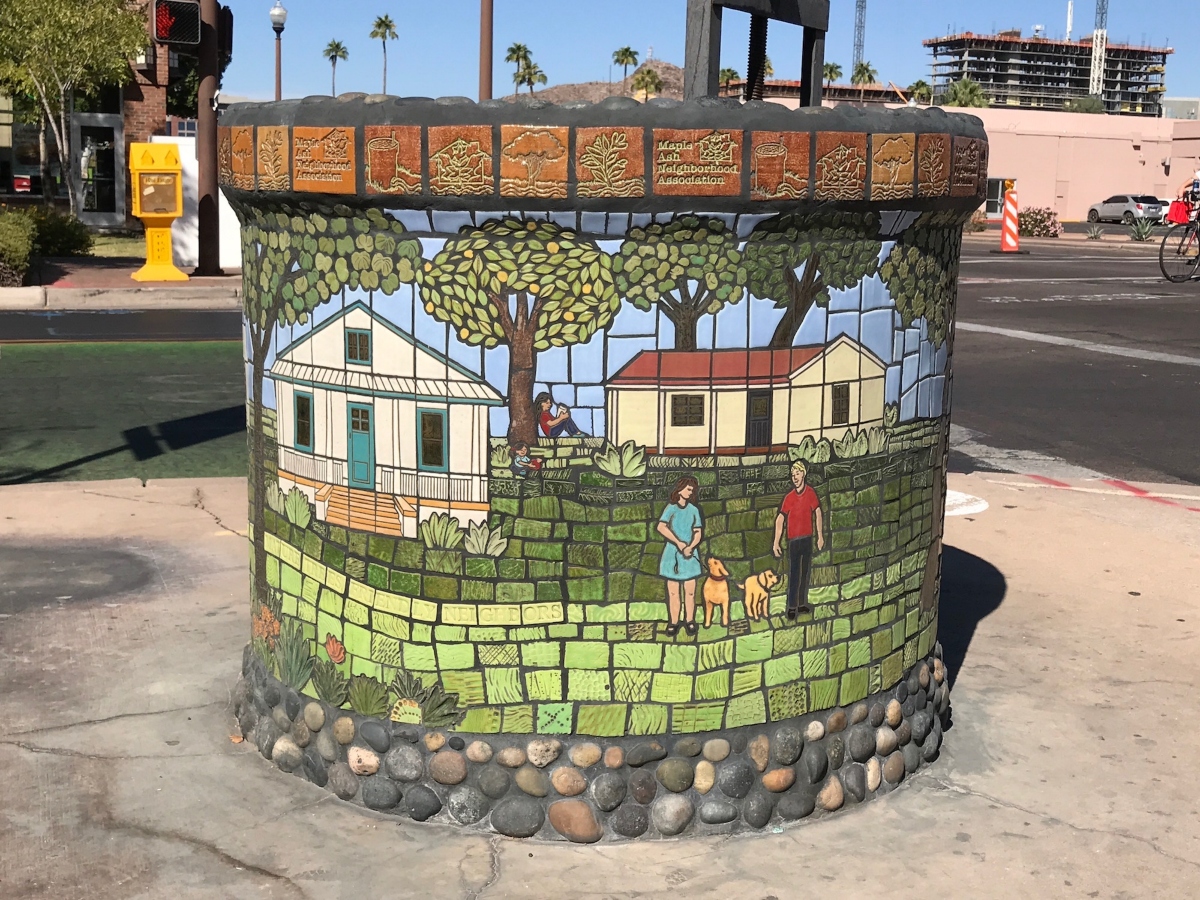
690 267
290 265
837 251
527 285
921 272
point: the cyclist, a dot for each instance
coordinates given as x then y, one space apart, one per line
1190 189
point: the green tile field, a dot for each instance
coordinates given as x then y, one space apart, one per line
564 633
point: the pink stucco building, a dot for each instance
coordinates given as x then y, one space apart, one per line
1068 161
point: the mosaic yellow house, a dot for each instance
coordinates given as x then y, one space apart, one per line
379 430
736 401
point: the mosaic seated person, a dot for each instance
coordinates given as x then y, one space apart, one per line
523 465
554 424
798 512
682 528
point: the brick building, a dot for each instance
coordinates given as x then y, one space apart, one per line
100 137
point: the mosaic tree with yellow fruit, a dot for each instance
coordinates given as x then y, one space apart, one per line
527 285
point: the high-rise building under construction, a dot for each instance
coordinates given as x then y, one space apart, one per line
1042 73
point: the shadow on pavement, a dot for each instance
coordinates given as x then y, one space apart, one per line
972 589
147 442
37 577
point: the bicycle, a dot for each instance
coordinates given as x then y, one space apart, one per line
1179 253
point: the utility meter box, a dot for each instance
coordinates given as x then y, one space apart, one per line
157 177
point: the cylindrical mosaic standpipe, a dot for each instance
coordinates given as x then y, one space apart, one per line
598 454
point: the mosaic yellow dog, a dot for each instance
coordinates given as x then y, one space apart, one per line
758 593
716 591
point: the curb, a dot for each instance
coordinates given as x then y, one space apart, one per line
17 298
184 298
1069 240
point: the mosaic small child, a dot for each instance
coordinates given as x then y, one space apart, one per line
522 463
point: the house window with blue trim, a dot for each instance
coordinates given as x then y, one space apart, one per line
432 452
358 347
304 422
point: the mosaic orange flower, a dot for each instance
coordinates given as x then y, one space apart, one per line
335 648
265 626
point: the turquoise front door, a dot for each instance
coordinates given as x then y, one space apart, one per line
361 447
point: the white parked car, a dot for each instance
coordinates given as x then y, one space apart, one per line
1127 208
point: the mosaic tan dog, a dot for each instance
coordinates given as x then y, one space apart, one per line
716 591
758 593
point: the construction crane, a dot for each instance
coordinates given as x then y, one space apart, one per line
1099 49
860 31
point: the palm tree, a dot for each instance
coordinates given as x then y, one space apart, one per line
625 57
727 77
864 74
920 91
768 69
832 73
385 30
964 93
532 74
334 51
518 54
647 80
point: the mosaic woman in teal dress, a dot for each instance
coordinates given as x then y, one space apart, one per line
681 526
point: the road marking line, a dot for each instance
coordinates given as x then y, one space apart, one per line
1111 349
1139 492
1127 490
1049 482
960 504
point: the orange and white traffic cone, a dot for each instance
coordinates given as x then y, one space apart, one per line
1010 235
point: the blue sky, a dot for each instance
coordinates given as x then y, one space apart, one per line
437 54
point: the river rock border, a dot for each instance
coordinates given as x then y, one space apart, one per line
586 790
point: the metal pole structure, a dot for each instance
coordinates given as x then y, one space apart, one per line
756 62
209 229
702 50
860 32
278 63
812 79
485 50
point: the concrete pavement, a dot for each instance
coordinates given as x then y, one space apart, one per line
1069 617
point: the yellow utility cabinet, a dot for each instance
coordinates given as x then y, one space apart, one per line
158 201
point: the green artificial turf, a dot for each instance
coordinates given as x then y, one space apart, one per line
81 411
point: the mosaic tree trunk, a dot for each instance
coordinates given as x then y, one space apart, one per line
599 452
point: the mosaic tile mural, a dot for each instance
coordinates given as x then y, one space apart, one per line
549 473
597 454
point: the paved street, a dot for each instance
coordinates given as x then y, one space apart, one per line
118 410
1114 395
1076 406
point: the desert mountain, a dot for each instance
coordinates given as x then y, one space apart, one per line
595 91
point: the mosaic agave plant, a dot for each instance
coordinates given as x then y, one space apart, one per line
329 683
484 541
627 461
417 704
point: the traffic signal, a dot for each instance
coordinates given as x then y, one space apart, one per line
225 34
177 22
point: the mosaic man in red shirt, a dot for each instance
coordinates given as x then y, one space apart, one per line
799 511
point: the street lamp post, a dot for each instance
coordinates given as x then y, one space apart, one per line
485 49
278 20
